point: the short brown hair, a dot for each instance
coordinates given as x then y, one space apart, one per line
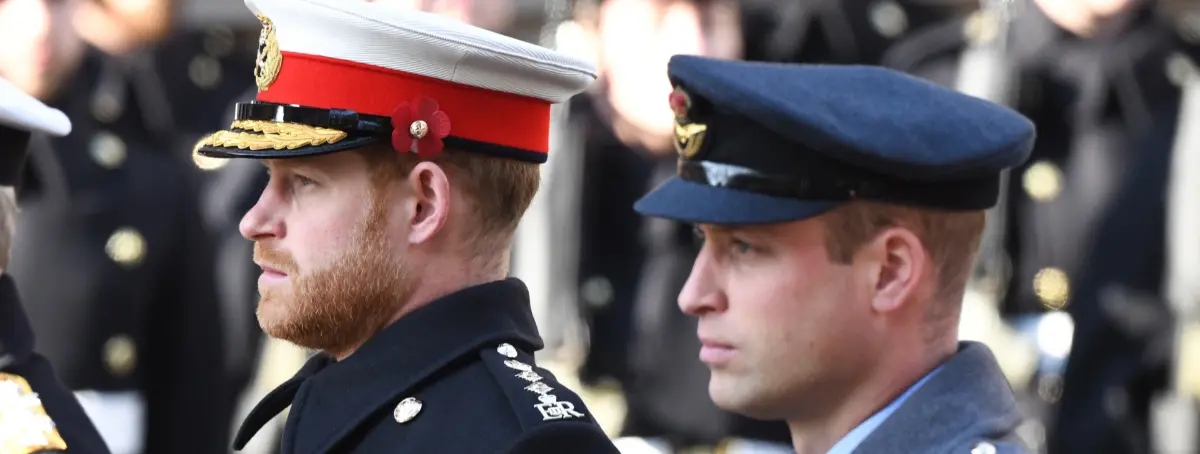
500 189
951 237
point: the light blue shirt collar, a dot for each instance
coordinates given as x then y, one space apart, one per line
847 444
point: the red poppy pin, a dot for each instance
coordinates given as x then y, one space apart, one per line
680 104
418 126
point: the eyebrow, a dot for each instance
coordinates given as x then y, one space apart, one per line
752 231
292 165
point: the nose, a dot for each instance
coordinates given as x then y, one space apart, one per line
702 293
263 221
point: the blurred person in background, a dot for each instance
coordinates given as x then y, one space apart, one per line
111 243
40 414
919 37
629 269
1101 78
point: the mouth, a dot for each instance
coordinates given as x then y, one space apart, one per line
271 273
715 352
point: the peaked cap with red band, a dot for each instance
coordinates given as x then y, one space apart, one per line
338 75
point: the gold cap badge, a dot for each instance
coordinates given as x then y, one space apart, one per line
688 135
266 66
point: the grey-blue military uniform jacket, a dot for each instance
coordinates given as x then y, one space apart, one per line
454 377
968 407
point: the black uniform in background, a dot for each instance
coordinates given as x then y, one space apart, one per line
20 360
1095 208
112 247
206 66
38 411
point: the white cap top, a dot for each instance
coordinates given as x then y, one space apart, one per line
392 37
22 111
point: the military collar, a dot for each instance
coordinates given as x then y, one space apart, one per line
396 359
967 399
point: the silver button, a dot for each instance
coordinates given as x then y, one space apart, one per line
597 291
407 409
106 107
984 447
107 150
204 71
507 350
1181 69
888 18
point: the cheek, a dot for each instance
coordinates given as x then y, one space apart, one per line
317 241
790 310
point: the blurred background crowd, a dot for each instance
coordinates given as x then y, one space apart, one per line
142 292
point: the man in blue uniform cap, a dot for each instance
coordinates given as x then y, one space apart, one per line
37 413
841 207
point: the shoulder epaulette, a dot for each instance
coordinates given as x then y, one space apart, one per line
25 427
536 396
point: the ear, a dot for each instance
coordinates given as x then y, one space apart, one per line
430 206
901 267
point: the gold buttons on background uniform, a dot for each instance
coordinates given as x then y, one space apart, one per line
107 150
120 355
126 246
981 27
1043 181
1052 287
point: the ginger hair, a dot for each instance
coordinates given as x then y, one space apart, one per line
498 190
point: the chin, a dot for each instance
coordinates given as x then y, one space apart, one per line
743 398
272 313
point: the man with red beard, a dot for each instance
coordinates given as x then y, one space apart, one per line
403 149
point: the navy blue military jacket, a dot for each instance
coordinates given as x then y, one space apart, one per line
455 376
33 402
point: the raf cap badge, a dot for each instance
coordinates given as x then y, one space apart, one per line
24 425
688 135
266 66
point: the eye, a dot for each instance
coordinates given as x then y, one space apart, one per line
301 181
741 247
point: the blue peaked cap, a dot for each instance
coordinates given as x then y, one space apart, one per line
769 142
